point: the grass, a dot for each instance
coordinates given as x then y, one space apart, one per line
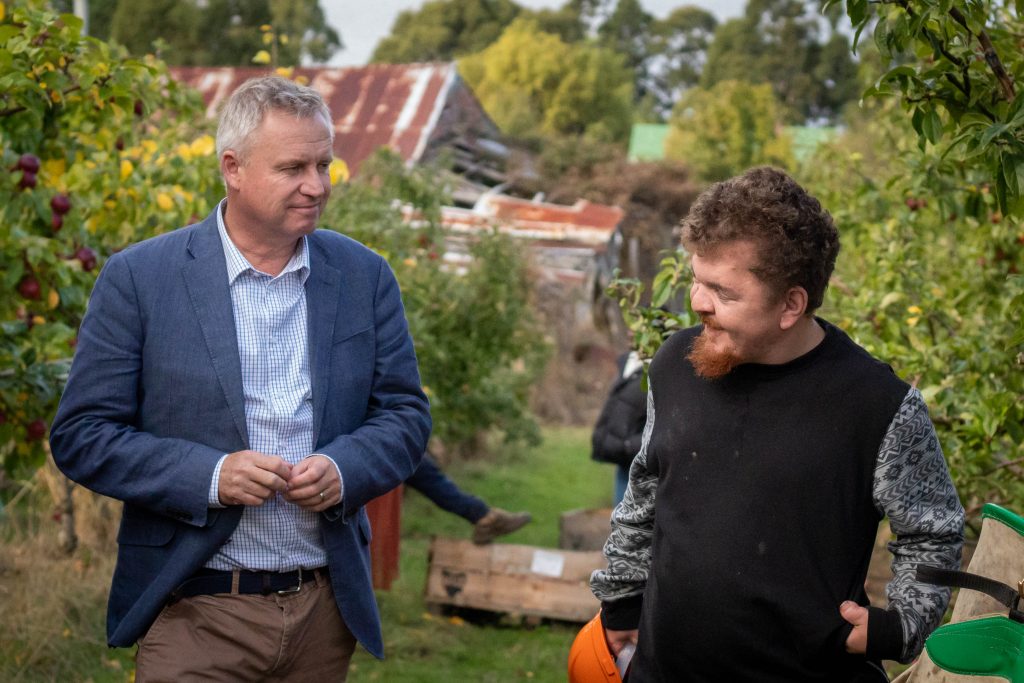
53 607
423 648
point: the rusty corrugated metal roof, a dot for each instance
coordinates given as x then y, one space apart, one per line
584 224
397 105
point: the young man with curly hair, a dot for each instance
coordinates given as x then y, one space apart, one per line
773 447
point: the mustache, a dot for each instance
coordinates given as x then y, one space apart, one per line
709 322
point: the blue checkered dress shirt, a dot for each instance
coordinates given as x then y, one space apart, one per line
270 321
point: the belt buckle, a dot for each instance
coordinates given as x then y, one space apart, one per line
296 588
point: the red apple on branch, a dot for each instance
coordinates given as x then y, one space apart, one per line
29 288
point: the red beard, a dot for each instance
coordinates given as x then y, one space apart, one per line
709 362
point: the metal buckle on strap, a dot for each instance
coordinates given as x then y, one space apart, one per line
296 588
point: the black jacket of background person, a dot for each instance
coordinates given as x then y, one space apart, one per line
768 486
620 426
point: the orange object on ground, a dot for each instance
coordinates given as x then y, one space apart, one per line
385 513
590 660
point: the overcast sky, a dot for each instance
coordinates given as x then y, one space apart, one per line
362 23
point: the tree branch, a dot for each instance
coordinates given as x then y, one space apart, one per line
991 57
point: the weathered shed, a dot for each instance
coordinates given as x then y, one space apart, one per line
420 111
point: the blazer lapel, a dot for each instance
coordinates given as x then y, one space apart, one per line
206 278
323 294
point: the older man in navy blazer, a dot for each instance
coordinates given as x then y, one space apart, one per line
245 385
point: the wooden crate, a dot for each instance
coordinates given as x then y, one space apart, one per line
518 580
584 529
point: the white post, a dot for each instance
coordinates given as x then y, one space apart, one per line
81 10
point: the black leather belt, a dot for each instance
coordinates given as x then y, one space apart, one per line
213 581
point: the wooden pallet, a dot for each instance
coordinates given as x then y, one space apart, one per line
517 580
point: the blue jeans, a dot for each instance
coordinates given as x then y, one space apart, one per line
621 482
429 480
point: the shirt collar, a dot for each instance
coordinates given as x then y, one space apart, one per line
238 264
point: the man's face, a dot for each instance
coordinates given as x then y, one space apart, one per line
282 182
741 317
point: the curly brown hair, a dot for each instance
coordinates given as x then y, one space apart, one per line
797 239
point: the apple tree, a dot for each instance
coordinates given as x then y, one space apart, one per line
96 151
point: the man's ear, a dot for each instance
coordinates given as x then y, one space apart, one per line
230 168
794 307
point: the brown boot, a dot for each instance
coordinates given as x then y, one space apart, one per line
498 522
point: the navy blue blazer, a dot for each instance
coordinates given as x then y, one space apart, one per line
154 399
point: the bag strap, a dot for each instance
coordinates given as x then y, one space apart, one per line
1004 594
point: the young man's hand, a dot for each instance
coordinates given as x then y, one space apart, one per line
618 639
857 641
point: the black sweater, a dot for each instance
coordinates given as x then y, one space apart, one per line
765 519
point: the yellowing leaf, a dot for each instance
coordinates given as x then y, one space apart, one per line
52 299
262 57
55 96
339 171
184 150
127 168
54 169
913 321
203 146
283 39
164 201
266 27
268 38
284 71
916 310
3 11
302 80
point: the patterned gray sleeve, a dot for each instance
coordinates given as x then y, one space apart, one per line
913 488
628 548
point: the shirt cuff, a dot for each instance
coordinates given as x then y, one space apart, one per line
885 634
623 614
341 482
213 497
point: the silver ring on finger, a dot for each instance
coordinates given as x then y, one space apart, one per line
322 498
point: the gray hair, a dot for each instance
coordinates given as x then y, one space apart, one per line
247 106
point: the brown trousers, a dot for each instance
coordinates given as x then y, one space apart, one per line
233 638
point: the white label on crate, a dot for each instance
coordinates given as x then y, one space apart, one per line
547 563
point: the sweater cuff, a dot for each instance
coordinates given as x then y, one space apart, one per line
623 614
885 634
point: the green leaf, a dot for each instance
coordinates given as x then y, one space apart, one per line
932 125
857 11
1013 173
993 131
856 36
889 299
917 121
7 31
73 23
999 181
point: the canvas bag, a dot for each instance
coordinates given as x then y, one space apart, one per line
981 643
